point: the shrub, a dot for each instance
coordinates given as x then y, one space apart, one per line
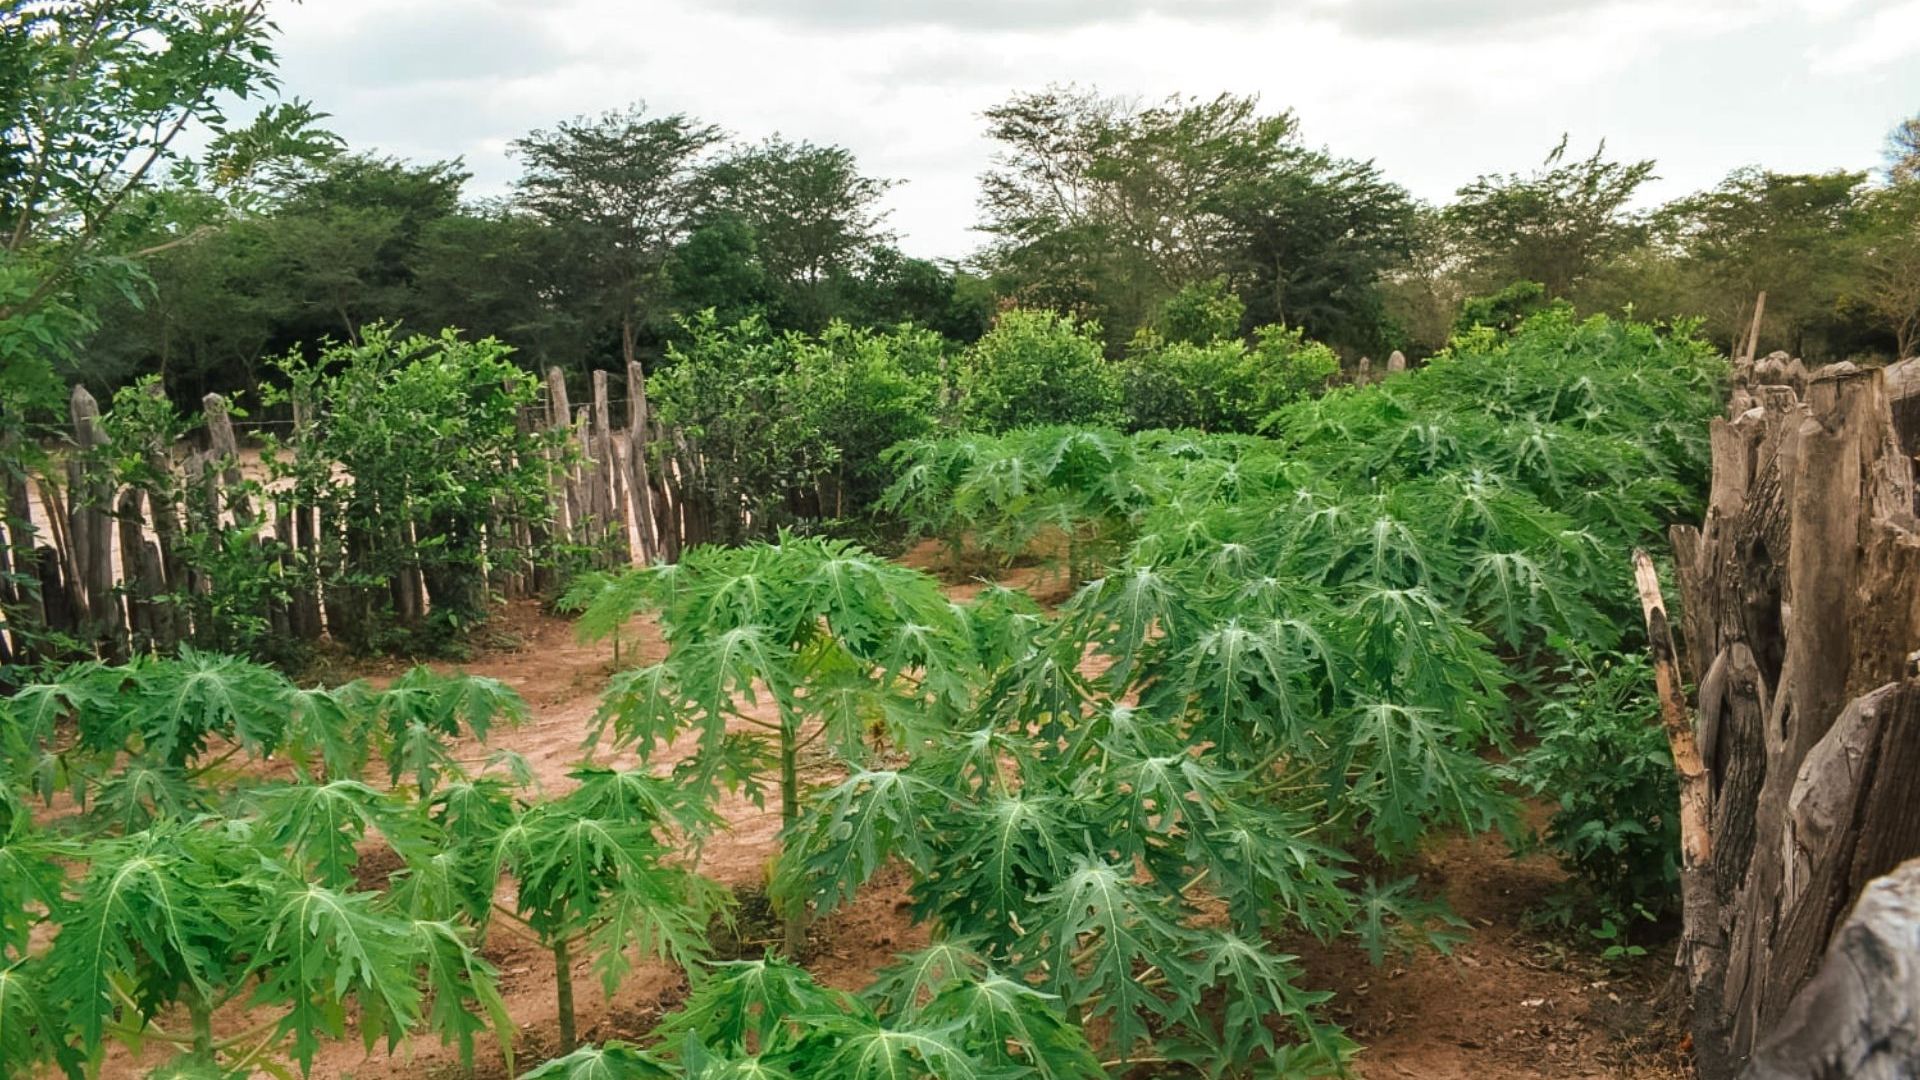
416 447
863 392
791 426
1222 385
729 390
1503 311
1201 313
1603 755
1039 367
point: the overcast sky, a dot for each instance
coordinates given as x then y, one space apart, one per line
1435 91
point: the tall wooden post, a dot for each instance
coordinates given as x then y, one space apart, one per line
639 482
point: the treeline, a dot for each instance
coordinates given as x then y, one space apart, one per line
622 227
617 227
1107 207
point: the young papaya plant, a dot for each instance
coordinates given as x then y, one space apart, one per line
836 643
591 876
199 915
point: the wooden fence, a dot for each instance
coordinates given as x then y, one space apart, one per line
105 565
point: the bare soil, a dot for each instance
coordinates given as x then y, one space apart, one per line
1513 1001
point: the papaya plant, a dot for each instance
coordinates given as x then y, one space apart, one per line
774 648
940 1013
591 874
198 915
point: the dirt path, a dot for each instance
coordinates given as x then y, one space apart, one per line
1511 1003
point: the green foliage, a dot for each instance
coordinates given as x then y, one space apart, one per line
420 448
873 644
141 739
1504 310
1112 207
96 94
1556 225
1002 494
812 215
1603 756
1200 313
201 914
1037 367
1222 385
942 1012
790 425
1300 649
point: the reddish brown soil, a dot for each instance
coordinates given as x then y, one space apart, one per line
1512 1002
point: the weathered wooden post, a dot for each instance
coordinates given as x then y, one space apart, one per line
1802 601
610 493
638 480
226 450
1857 1017
92 526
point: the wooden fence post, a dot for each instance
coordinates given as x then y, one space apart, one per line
1802 599
638 481
568 526
226 450
92 524
610 499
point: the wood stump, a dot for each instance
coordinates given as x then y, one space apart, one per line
1801 596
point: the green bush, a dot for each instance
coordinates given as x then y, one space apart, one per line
417 446
790 426
1603 755
1503 311
864 391
1203 312
1039 367
1222 385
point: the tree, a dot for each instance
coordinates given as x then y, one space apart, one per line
814 217
1313 242
1903 151
1422 293
1555 225
1783 233
95 99
621 190
1888 282
718 268
1105 207
1097 204
492 271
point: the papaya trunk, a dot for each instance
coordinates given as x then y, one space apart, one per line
795 917
563 993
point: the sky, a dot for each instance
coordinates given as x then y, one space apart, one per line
1436 92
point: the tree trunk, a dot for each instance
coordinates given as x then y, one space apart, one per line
1802 600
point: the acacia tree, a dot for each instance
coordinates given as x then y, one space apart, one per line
621 189
1555 225
1107 206
814 217
1787 234
1903 151
1889 252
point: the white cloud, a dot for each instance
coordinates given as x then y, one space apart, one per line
1889 34
1435 92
